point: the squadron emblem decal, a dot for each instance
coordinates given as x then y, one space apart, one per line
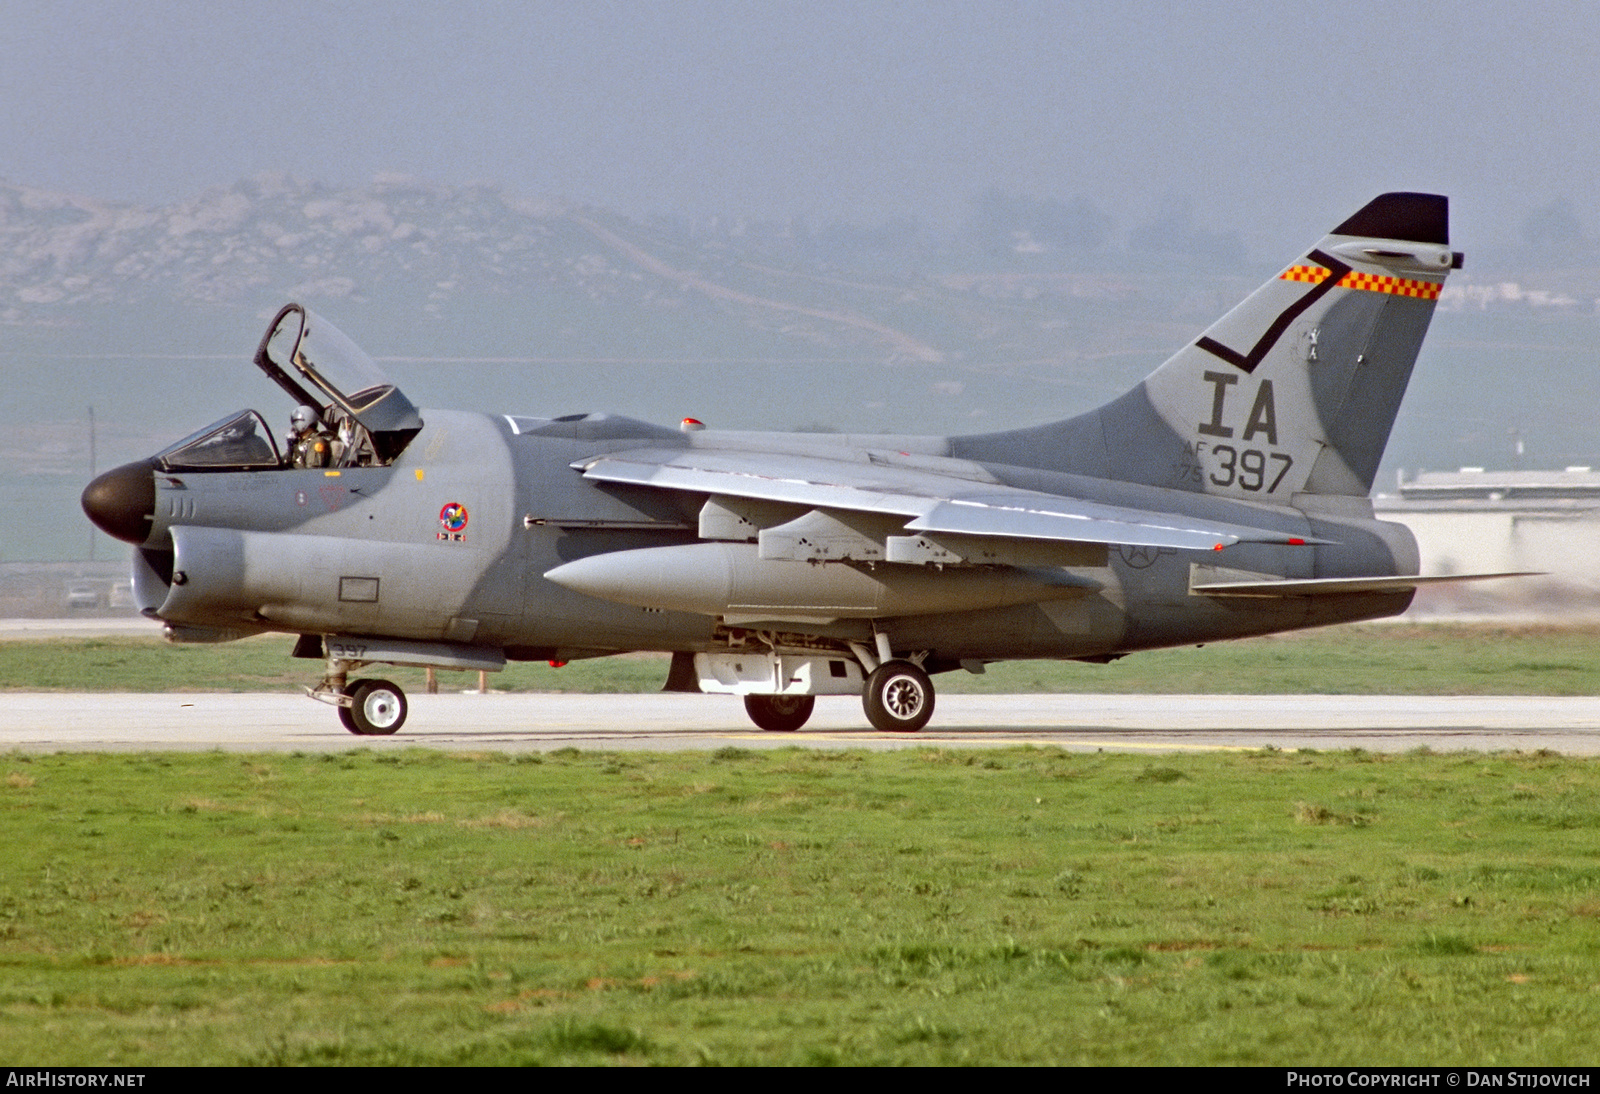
453 519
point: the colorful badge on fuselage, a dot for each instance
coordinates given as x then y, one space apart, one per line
453 519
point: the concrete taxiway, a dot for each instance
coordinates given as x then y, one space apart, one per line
35 722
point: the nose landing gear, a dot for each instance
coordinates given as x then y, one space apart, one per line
377 708
367 708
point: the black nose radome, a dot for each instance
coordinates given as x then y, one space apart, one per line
122 502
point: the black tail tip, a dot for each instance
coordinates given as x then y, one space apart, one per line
1417 218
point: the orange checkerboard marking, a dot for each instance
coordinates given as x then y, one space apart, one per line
1398 286
1314 274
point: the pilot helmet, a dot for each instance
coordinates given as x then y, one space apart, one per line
302 418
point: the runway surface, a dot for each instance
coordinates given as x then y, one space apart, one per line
35 722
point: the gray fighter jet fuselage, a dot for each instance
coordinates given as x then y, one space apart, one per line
1225 496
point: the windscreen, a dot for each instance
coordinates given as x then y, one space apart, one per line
241 442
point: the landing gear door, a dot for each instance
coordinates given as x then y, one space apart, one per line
305 354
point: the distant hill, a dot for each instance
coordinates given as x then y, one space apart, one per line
474 298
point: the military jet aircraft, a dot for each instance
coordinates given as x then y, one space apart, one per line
1226 495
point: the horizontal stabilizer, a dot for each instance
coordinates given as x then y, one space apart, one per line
960 500
1336 586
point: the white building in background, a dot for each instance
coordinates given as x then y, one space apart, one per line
1477 521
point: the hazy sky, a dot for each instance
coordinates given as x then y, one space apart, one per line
1272 117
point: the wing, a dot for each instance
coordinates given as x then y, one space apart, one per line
933 501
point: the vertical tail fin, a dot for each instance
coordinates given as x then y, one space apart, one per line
1293 391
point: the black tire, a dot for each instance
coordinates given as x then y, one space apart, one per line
378 708
898 697
779 713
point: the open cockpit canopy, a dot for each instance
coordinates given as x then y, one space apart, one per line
320 367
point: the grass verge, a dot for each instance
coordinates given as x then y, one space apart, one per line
792 907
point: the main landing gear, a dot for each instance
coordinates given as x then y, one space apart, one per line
898 697
779 713
896 694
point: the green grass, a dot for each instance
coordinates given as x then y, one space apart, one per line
1383 659
791 907
265 664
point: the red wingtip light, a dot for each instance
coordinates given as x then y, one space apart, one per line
1218 547
1297 542
691 425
